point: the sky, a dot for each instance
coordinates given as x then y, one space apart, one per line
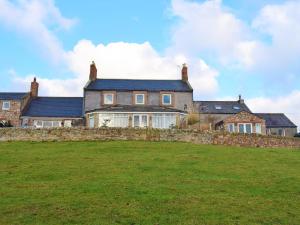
231 47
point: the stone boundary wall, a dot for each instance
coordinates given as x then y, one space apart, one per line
192 136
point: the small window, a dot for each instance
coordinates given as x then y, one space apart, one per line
6 106
230 127
91 121
38 123
56 124
140 99
218 107
108 99
166 99
258 128
236 107
245 128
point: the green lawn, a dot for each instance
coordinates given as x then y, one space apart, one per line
147 183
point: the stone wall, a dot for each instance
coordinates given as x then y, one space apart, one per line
13 114
82 134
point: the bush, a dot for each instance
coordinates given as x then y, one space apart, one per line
193 119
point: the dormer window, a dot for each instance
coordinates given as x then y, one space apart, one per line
218 107
108 98
6 105
139 99
167 99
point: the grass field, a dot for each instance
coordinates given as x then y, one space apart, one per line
147 183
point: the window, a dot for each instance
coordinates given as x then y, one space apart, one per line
38 124
166 99
46 124
108 98
113 120
5 105
230 127
140 99
281 132
236 107
140 120
258 128
245 128
163 121
68 123
91 121
218 107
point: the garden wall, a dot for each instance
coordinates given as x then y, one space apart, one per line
193 136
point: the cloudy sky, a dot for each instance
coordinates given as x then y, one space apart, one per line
249 47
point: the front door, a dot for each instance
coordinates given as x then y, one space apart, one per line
140 120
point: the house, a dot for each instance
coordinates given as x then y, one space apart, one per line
53 112
137 103
210 113
243 122
28 109
278 124
14 103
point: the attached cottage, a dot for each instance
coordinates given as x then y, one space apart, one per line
278 124
53 112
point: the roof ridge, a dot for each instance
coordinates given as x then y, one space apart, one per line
17 92
58 97
139 79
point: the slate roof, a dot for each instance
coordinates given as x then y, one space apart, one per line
276 120
139 85
220 107
65 107
12 95
136 108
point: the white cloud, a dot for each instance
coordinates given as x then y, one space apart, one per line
210 29
288 104
127 61
33 18
279 23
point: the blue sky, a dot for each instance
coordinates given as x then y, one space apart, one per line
248 47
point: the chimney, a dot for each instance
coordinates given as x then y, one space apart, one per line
241 101
184 73
34 88
93 71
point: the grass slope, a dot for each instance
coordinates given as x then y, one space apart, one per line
147 183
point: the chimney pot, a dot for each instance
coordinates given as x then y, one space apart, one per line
184 72
241 101
93 71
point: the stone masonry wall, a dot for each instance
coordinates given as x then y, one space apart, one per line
13 114
82 134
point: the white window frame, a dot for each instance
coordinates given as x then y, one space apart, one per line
92 118
3 105
245 130
162 100
113 119
136 102
260 131
140 120
105 100
228 127
68 123
41 123
164 118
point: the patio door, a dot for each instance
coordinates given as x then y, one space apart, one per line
140 120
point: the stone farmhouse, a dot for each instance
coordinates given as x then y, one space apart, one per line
160 104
